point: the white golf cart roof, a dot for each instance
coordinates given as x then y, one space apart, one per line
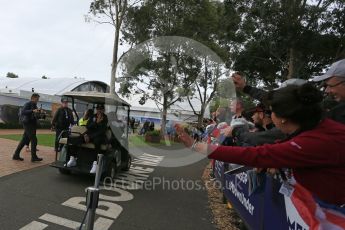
96 97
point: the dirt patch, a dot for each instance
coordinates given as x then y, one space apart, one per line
224 217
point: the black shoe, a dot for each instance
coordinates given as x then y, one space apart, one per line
17 158
36 159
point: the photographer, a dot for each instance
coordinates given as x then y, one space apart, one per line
28 117
62 120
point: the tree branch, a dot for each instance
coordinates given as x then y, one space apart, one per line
190 104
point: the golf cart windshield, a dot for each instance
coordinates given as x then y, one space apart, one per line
116 109
97 98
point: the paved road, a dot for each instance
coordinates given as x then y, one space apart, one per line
42 198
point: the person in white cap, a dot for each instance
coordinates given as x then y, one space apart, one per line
334 82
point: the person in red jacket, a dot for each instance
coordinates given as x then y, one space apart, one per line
314 150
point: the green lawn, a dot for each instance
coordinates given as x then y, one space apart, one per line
48 140
136 140
43 139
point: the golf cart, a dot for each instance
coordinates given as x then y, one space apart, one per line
115 149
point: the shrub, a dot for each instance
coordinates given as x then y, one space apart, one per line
154 133
10 126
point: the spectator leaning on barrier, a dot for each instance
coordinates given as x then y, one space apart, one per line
28 117
334 82
62 120
314 150
262 118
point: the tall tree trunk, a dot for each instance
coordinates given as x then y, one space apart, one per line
201 115
292 67
114 62
164 116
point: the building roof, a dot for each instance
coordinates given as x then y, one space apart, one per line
51 86
59 86
150 105
97 97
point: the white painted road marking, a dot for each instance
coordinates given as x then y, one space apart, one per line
60 221
134 177
103 223
112 210
34 225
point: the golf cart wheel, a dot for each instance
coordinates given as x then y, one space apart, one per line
111 170
128 163
64 171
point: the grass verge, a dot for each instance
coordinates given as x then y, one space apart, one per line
42 139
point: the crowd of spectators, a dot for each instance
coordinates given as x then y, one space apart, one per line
291 129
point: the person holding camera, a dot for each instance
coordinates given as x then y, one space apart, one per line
62 120
29 115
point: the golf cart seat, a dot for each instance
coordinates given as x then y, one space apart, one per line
79 130
75 131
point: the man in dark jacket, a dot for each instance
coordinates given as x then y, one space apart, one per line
28 117
96 132
62 120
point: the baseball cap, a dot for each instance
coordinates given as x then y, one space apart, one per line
337 69
257 109
64 99
260 108
100 106
35 95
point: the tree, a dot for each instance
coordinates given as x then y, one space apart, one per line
177 66
158 75
277 39
11 75
112 12
205 87
206 25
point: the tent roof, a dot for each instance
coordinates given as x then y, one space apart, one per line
51 86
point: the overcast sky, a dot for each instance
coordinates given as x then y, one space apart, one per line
51 38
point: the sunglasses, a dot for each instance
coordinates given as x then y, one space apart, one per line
336 84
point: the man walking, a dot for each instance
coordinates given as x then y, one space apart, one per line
62 120
28 117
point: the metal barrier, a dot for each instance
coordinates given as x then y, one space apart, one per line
264 210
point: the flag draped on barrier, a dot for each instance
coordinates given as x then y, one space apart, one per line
315 216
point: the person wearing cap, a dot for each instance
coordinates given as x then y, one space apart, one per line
96 133
62 120
258 138
334 82
265 132
29 121
262 118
